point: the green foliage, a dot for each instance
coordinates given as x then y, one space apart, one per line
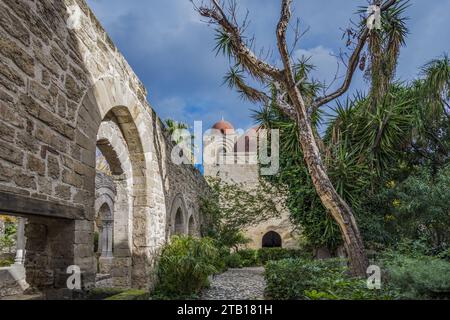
8 240
417 276
249 257
234 260
185 265
293 279
130 295
274 254
6 262
229 208
416 208
252 258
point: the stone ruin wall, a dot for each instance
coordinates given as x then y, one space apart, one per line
60 77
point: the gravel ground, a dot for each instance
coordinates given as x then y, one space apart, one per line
237 284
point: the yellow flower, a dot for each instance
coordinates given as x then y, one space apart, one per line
389 218
396 203
390 184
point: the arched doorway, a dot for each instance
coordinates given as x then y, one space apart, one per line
179 222
191 226
271 240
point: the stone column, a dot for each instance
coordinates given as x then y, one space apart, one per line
20 243
107 239
104 237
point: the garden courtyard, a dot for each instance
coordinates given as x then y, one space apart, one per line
329 194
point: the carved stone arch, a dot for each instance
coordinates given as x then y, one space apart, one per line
192 225
110 99
178 216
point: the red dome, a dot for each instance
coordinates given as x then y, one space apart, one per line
223 126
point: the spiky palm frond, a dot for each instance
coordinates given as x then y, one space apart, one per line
235 79
436 84
223 43
384 49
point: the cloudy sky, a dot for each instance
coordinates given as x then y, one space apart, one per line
171 49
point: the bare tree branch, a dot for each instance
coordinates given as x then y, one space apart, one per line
351 65
245 56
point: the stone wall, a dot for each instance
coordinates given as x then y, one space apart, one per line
60 77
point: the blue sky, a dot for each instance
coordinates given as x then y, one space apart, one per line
171 49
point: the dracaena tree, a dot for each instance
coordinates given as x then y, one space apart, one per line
287 86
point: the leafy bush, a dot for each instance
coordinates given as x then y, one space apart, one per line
273 254
6 262
417 277
234 260
252 258
249 257
316 280
185 265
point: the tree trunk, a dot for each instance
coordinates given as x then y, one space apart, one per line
331 200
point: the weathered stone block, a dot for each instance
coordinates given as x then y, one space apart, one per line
72 178
25 181
59 57
10 79
63 192
7 133
35 164
73 90
6 173
13 26
53 169
39 112
11 50
11 154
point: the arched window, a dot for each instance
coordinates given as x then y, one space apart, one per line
179 222
271 240
191 230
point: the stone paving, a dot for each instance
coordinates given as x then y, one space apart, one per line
237 284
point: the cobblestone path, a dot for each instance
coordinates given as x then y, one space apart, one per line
237 284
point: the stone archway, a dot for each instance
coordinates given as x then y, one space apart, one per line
178 217
110 103
192 229
272 239
179 222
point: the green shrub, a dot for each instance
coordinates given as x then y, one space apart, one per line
417 277
131 295
6 262
274 254
185 265
292 279
233 260
249 258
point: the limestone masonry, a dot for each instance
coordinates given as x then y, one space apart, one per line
65 90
